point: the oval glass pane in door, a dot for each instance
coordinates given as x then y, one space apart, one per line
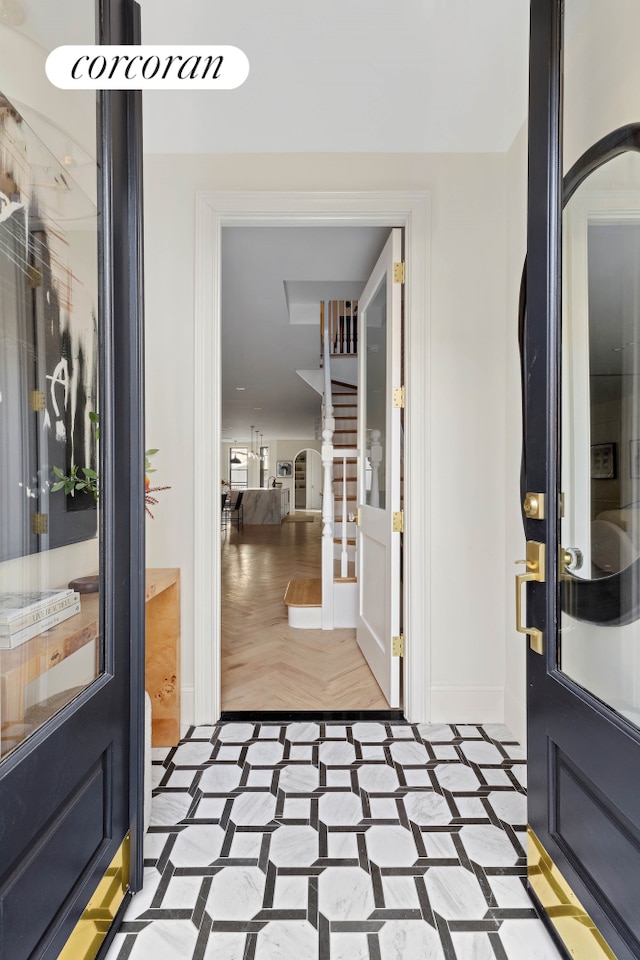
50 646
600 525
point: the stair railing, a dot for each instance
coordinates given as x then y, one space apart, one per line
328 430
340 318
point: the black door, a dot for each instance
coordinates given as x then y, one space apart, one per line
580 341
71 491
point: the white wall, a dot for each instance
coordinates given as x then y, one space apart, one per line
467 375
601 73
515 703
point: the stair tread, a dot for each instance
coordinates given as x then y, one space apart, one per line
305 592
350 543
345 579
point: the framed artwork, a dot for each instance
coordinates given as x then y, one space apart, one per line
603 461
284 468
634 458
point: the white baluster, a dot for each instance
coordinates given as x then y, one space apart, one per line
344 559
352 323
327 527
376 460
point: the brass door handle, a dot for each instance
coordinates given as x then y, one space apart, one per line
535 564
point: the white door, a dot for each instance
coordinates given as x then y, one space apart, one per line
314 480
379 438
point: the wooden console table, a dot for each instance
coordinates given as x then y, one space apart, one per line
162 668
34 658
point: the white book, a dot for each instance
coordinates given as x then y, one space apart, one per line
40 614
8 642
17 603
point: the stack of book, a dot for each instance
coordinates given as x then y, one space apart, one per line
25 614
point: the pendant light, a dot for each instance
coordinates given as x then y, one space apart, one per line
252 455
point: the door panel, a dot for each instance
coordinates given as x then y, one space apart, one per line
581 418
72 694
379 372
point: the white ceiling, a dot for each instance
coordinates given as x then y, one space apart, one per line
346 75
261 349
334 76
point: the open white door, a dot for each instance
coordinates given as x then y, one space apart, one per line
379 438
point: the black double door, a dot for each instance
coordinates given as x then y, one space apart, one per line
71 662
580 348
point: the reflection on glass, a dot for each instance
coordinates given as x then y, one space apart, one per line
49 630
600 527
375 319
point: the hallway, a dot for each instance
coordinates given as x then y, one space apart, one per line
266 664
330 841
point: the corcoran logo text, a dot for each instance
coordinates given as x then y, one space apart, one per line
147 67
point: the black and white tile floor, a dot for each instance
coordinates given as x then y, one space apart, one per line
326 841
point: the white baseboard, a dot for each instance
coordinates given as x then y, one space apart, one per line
188 709
515 718
466 704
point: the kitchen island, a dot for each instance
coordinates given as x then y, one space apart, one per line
262 506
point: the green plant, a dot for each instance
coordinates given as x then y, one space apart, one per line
83 479
78 478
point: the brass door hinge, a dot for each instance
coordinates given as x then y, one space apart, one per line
37 400
34 277
358 517
398 646
398 522
398 272
398 397
40 523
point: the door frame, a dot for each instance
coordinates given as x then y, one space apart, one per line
412 212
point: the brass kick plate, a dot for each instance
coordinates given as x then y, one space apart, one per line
92 928
573 924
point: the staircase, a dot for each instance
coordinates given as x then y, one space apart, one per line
333 601
345 471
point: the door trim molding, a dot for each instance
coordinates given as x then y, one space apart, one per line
215 209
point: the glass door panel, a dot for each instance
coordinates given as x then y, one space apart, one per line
375 375
50 647
600 529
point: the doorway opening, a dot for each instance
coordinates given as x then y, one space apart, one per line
214 212
273 280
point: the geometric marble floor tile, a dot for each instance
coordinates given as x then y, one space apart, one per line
333 841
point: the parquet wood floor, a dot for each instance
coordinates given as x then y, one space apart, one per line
266 664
